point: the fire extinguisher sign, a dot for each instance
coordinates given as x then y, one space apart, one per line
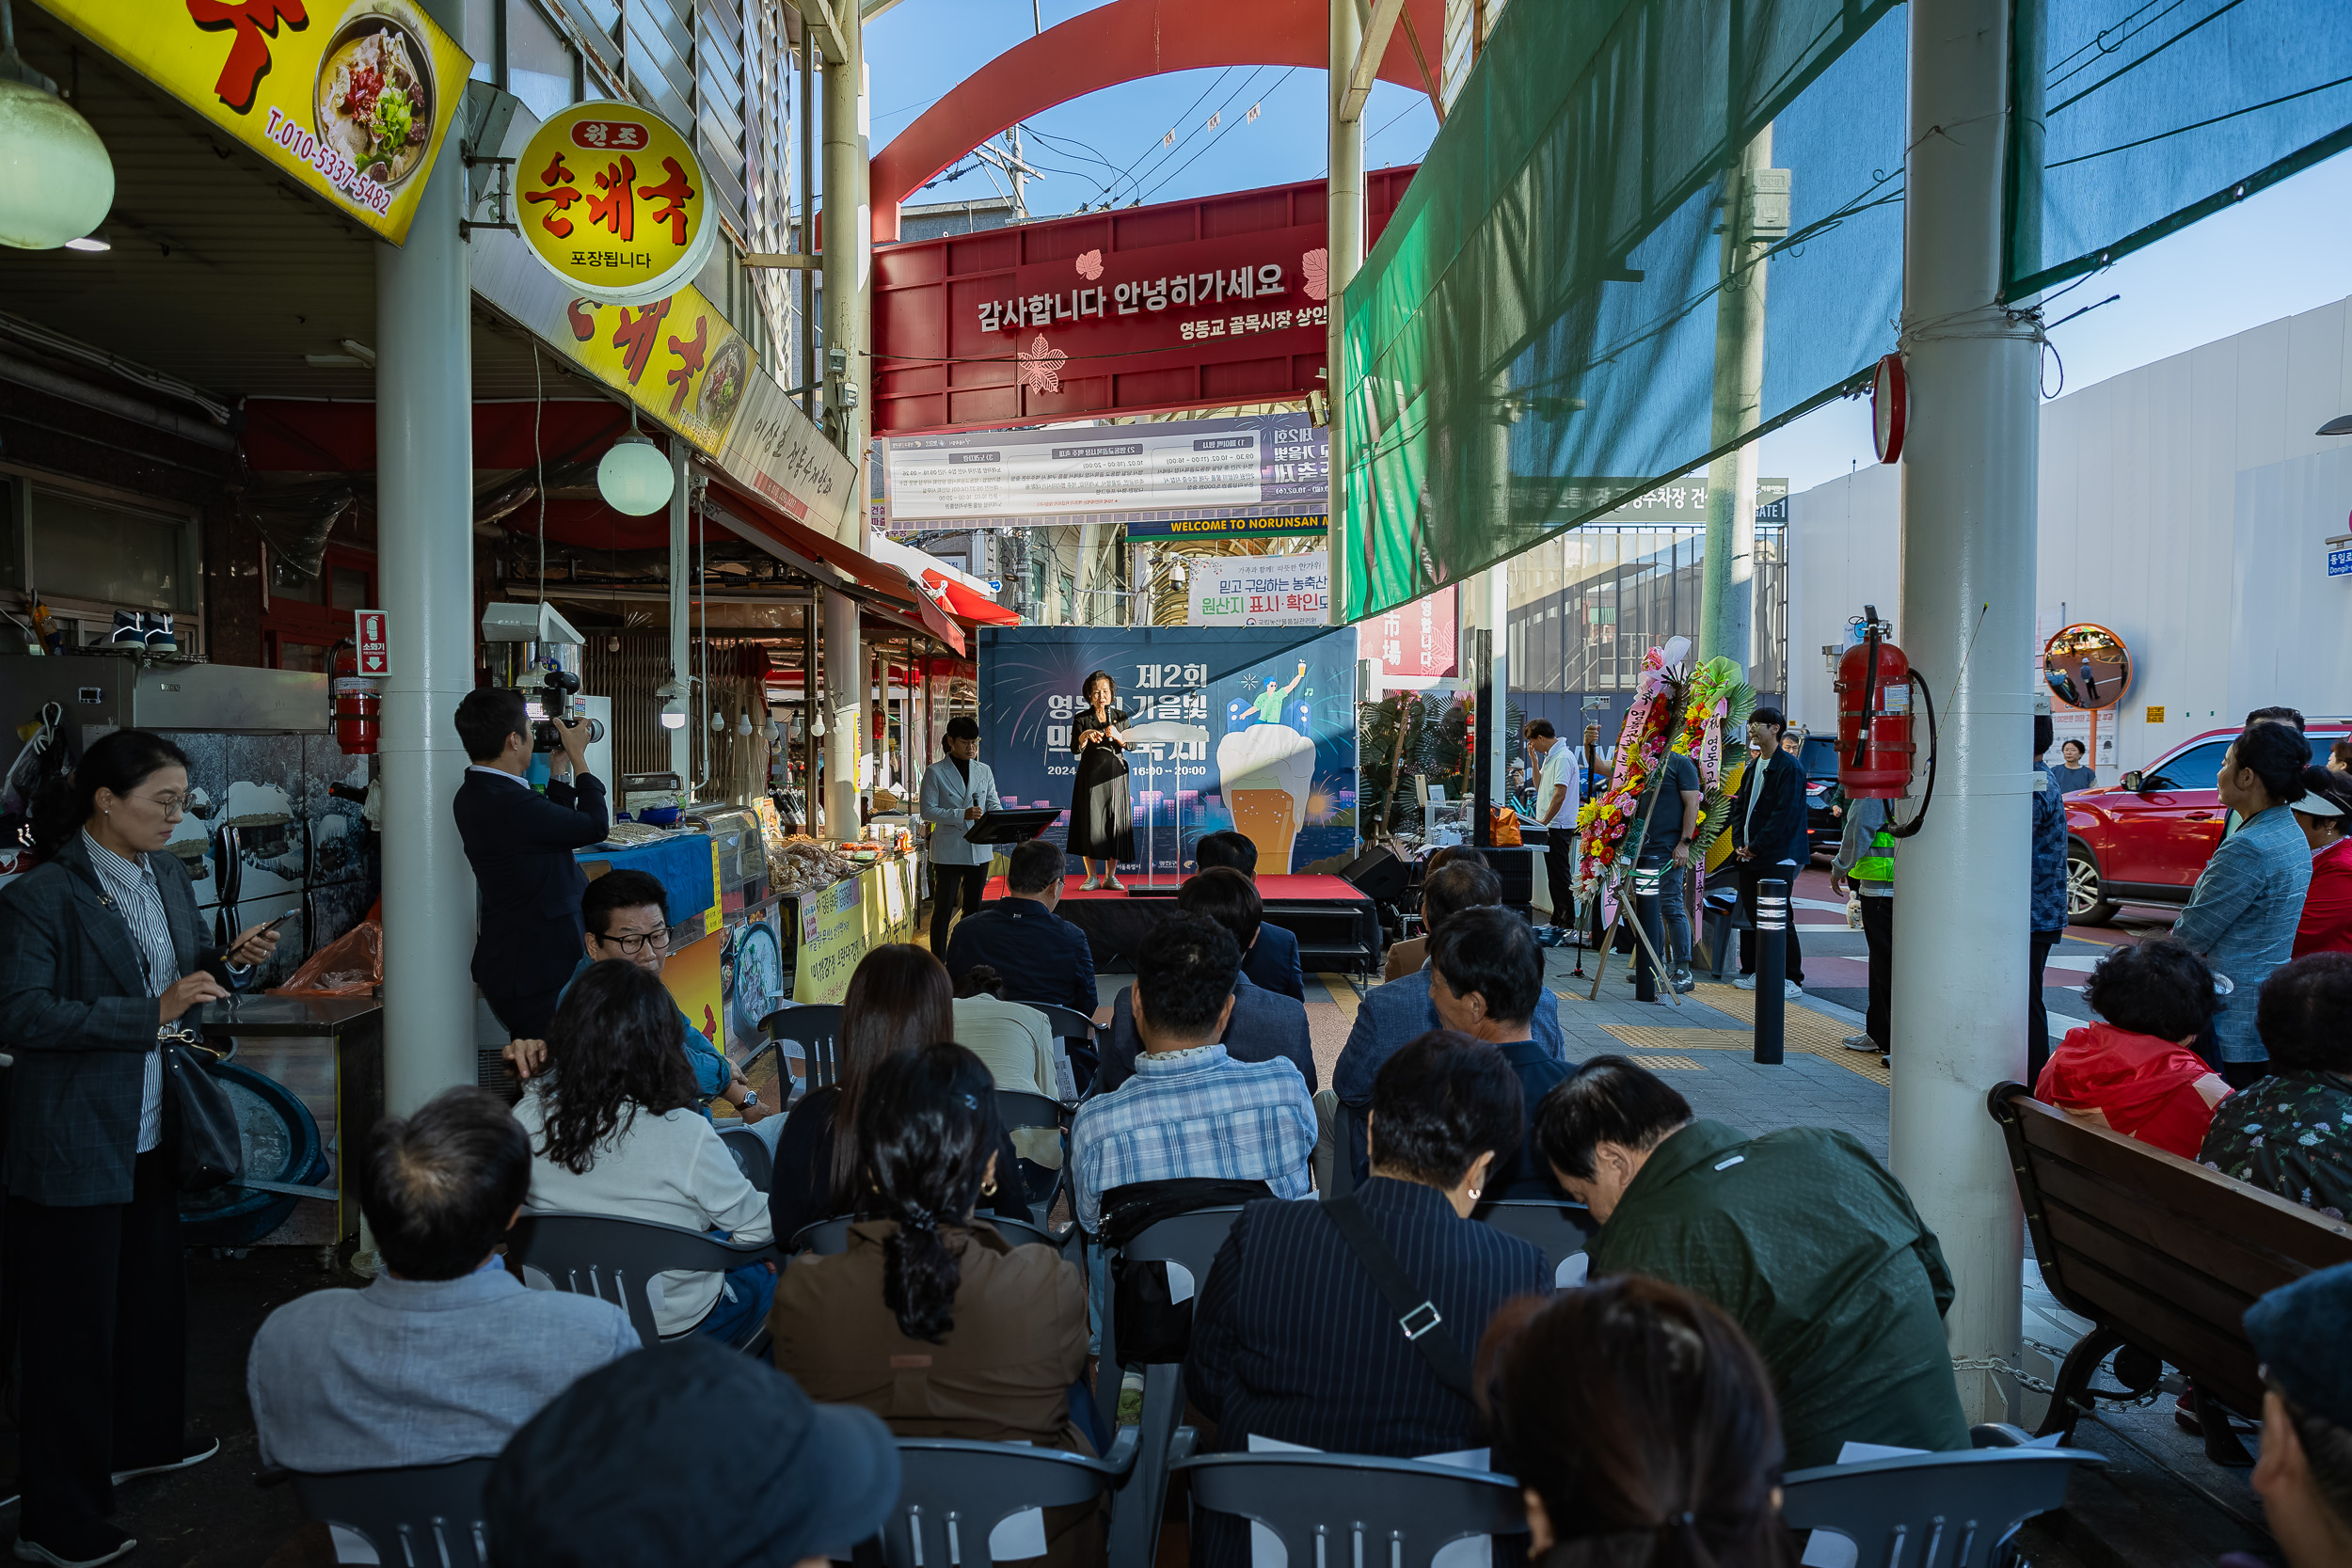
376 653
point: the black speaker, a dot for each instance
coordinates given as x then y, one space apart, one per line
1377 873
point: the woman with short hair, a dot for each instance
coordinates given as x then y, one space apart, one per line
2136 1070
2290 1133
1641 1427
617 1130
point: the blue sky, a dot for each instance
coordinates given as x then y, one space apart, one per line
2286 249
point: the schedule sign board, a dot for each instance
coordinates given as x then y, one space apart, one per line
1274 465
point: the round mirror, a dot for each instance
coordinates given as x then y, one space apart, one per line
2086 666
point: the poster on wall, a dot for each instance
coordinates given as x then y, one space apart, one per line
1279 707
1261 589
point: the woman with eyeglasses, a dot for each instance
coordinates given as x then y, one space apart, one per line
102 956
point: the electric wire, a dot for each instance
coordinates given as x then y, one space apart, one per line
1230 127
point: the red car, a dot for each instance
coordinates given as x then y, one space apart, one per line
2145 840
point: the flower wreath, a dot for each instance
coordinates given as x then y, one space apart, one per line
1707 718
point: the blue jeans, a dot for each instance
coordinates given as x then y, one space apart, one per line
744 1298
1677 925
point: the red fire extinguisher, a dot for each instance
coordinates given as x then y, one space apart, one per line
1874 691
358 704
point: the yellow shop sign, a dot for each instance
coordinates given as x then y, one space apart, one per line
354 106
612 204
675 358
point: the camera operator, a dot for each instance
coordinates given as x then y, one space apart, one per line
520 844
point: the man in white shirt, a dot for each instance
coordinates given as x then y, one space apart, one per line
1557 791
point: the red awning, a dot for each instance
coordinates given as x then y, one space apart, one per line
288 435
972 607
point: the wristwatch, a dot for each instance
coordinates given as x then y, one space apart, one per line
751 1097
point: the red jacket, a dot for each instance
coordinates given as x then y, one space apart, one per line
2146 1087
2327 924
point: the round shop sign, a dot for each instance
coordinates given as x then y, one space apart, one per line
612 202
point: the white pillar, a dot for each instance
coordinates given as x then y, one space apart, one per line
847 247
1494 615
1726 596
425 506
1966 621
681 613
1343 245
845 679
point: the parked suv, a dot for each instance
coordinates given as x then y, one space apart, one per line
1817 756
2146 839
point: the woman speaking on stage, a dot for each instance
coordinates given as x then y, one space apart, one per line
1102 826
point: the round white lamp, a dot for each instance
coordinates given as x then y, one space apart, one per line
634 477
672 695
55 180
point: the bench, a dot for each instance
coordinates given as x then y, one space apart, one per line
2161 1254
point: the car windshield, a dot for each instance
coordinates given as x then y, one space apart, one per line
2195 769
1819 757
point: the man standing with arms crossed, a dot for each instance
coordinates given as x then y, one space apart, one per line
1557 791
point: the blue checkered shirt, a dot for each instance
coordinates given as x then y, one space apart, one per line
1191 1115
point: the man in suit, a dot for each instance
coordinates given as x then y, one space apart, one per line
1263 1025
446 1355
957 791
1485 971
529 934
1041 957
1403 1010
1272 961
1769 837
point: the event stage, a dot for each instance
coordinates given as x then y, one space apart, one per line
1334 921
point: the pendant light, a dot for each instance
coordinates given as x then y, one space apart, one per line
57 181
634 476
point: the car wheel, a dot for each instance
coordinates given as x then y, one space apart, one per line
2086 903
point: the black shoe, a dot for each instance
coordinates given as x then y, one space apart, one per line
159 638
130 627
103 1545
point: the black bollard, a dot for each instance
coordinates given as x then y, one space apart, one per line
1772 970
1645 911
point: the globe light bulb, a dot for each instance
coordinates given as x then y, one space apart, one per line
634 476
57 181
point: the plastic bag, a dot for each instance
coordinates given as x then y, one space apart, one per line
350 965
1505 824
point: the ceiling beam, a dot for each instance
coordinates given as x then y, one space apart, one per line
1378 28
824 28
873 9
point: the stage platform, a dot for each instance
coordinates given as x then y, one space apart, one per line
1335 924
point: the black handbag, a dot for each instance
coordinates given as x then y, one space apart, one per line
211 1148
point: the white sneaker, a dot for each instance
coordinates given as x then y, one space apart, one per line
1862 1042
209 1449
32 1551
1090 884
1745 982
1790 987
1112 884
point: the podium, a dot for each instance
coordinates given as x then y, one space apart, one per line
1011 827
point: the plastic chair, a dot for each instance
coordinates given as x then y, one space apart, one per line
1021 1110
1075 1031
1561 1229
830 1238
952 1495
751 1155
1341 1509
422 1514
1932 1509
615 1259
816 1030
1190 1241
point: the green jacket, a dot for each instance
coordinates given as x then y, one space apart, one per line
1814 1250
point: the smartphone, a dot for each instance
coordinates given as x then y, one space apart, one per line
281 920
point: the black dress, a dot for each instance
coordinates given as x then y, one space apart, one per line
1101 825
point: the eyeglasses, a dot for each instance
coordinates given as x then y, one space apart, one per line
171 804
633 945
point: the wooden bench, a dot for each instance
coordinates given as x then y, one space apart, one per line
2163 1255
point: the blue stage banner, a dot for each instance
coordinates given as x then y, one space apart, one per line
1278 707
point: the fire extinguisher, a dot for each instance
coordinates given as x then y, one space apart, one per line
358 704
1875 747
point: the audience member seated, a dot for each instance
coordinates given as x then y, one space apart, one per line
2290 1133
1641 1426
626 916
2304 1476
898 1000
1404 1009
1192 1111
930 1320
1264 1025
616 1132
1041 957
446 1354
688 1456
1293 1341
2139 1072
2325 814
1410 955
1271 961
1814 1251
1016 1044
1485 972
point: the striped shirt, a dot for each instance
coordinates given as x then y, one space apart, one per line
1193 1114
132 886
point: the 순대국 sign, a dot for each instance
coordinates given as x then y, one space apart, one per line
612 204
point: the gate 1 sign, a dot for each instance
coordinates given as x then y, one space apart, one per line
1261 589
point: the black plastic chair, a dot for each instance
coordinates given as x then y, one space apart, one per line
828 1238
1021 1110
1341 1509
616 1261
816 1030
1191 1241
1075 1030
1932 1509
751 1155
952 1495
1561 1229
424 1514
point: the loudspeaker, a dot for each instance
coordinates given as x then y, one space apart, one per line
1377 873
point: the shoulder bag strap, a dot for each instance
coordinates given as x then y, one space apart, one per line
1416 1314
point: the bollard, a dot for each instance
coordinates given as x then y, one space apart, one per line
1772 969
1645 909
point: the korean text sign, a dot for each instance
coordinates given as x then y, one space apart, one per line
612 202
677 357
1261 589
353 104
1276 465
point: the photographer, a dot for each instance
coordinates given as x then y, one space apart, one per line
529 934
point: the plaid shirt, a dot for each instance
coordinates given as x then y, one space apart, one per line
1195 1113
2242 919
132 886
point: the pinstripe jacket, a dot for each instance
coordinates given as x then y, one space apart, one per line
76 1013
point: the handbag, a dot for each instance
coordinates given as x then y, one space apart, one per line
212 1147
